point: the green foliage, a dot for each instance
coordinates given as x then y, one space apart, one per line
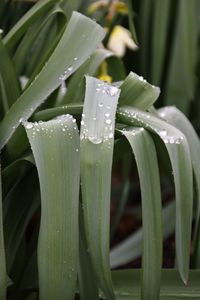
54 241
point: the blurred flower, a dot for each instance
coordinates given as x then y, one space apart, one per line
103 74
119 40
97 5
113 8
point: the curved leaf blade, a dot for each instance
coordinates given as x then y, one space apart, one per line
179 153
55 146
137 92
178 119
23 24
81 36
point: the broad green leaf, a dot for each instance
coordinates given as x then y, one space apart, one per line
81 37
160 21
97 138
55 146
76 86
179 153
127 285
137 92
181 75
177 118
3 275
8 92
146 159
131 248
26 21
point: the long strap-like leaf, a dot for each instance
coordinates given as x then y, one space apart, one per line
177 118
55 146
147 164
97 137
179 153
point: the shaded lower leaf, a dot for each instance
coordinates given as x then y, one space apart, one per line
3 274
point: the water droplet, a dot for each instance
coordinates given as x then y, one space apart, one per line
75 58
29 126
82 123
110 135
113 91
77 150
107 115
95 140
70 69
63 129
100 104
163 132
108 121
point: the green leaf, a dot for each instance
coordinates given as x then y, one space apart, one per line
179 153
55 146
47 114
137 92
17 214
80 38
9 92
181 76
97 138
160 21
34 34
127 285
131 248
88 287
145 34
177 118
26 21
3 275
146 159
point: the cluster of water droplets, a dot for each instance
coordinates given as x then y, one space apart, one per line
166 136
66 124
110 90
106 133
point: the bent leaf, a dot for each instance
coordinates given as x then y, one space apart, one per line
55 146
81 37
